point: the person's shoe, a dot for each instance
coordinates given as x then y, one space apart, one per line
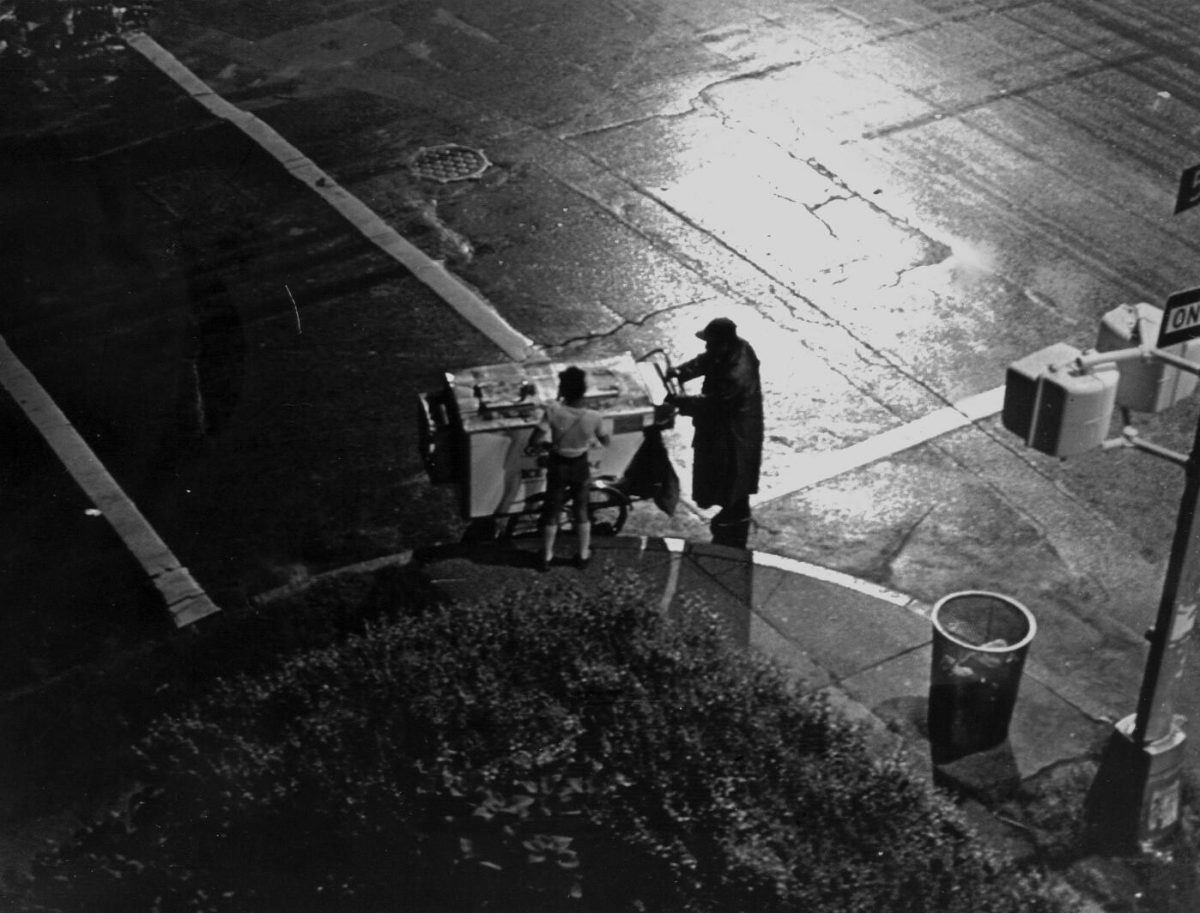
543 563
582 563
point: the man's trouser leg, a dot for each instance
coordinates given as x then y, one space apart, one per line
732 525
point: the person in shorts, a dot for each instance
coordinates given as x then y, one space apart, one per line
571 431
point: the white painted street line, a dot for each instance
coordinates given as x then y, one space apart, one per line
804 569
456 293
186 601
675 547
813 468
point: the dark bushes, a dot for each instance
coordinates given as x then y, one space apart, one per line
550 749
66 745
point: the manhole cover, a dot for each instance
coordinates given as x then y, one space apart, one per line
449 162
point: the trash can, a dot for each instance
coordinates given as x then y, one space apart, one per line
980 640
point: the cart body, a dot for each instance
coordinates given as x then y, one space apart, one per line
476 429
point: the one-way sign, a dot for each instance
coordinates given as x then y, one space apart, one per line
1189 190
1181 318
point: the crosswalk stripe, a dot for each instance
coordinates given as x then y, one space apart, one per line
811 469
185 600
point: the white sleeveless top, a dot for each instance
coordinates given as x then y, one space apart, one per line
571 428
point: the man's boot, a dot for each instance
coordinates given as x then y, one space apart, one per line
731 526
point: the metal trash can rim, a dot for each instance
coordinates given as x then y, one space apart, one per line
1030 620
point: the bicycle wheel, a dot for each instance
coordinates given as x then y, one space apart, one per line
608 509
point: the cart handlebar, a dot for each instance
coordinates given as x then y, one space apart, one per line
665 412
670 381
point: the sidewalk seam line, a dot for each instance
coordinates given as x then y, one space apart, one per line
770 622
842 679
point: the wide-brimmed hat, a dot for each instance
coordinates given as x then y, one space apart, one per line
719 328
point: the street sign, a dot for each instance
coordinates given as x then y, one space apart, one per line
1181 318
1189 190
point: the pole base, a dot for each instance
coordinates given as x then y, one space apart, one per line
1133 804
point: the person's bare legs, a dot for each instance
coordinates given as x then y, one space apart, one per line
548 522
549 531
583 527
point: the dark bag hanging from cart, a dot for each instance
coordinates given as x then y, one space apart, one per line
651 475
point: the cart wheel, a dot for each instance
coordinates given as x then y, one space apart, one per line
526 522
608 508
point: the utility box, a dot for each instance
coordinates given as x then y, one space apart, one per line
493 409
1056 407
1021 383
1147 385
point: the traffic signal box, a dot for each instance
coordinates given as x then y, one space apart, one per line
1147 385
1055 406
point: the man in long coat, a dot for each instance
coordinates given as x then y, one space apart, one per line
728 421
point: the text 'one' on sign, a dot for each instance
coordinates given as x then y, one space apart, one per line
1181 318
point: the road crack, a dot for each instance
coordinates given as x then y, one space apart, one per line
626 323
890 555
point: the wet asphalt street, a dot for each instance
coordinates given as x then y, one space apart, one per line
893 199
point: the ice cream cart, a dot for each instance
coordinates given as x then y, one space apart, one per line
475 432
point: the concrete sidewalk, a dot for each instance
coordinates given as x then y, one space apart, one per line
867 647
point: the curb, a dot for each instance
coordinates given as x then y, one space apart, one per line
885 734
880 735
675 546
268 597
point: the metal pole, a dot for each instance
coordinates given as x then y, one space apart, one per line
1176 614
1176 361
1137 791
1090 360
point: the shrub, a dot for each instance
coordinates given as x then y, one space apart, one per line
67 745
544 749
